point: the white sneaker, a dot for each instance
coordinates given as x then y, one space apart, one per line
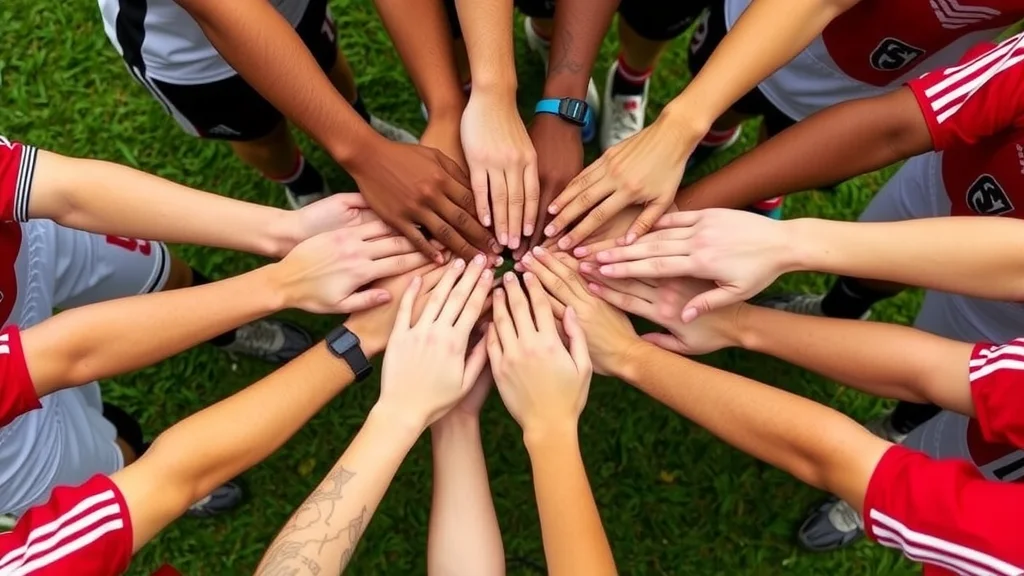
622 115
392 132
298 201
543 49
806 304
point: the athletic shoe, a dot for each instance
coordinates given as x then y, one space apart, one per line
622 115
297 201
806 304
392 132
771 208
271 340
7 522
835 524
224 498
703 152
543 49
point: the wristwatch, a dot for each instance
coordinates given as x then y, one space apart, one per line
571 110
344 344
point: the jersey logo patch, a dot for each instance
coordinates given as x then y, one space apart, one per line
987 197
953 15
892 54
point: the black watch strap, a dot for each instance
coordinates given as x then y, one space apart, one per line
344 344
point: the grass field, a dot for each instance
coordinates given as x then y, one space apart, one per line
674 500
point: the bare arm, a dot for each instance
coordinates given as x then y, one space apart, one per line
844 141
580 25
487 30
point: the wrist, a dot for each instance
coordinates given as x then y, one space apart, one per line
687 117
743 333
682 131
455 424
282 232
631 361
446 107
539 437
566 86
371 341
401 425
359 146
498 94
803 245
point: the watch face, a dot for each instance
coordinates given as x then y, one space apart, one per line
574 110
345 342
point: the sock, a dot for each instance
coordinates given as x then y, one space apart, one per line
715 138
359 106
850 299
224 339
304 178
768 205
544 36
909 415
629 82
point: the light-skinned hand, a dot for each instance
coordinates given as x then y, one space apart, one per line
342 210
543 384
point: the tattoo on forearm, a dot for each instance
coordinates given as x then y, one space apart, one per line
313 535
562 62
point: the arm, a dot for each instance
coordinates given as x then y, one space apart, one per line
845 140
487 30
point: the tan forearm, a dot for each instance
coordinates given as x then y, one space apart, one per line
487 30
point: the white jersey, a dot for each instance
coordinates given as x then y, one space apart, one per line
158 39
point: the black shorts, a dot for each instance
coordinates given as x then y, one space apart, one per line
709 33
659 20
231 109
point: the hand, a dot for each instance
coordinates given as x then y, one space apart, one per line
543 385
322 275
412 186
661 301
610 336
742 253
502 162
426 371
342 210
443 133
559 147
644 170
473 402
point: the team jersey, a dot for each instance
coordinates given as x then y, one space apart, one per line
85 530
17 394
17 168
975 114
159 39
877 45
945 512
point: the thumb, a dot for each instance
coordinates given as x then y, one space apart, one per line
645 221
363 300
666 342
708 302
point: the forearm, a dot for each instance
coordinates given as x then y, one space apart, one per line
109 338
881 359
815 444
422 37
580 25
487 31
108 198
266 51
831 146
930 253
747 55
574 539
322 534
464 538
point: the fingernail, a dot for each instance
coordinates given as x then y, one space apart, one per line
593 287
382 298
519 267
538 250
564 242
528 230
439 258
607 270
495 247
459 263
513 242
509 277
552 209
478 260
587 268
550 230
503 239
487 220
498 261
602 256
631 237
528 258
580 251
689 314
488 275
529 277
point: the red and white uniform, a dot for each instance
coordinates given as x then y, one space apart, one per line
45 266
878 45
940 509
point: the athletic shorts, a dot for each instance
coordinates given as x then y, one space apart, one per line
711 29
231 109
658 20
68 440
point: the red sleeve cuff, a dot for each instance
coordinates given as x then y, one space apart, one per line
883 478
17 393
918 87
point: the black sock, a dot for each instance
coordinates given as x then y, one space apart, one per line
628 82
224 339
360 107
307 180
909 415
850 299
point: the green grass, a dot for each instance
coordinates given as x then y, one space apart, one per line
673 499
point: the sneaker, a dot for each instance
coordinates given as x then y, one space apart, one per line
297 201
806 304
702 153
770 208
7 522
224 498
271 340
392 132
883 428
622 115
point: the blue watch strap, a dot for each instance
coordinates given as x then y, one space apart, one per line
547 106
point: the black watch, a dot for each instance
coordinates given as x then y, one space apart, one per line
344 344
571 110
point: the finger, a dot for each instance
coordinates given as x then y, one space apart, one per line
403 320
475 364
708 301
494 351
439 295
503 320
557 308
388 246
578 207
657 267
466 226
363 300
589 251
590 176
577 340
685 218
518 304
630 286
374 229
478 182
394 265
665 341
447 235
410 231
624 302
646 247
475 304
539 301
516 203
594 219
557 287
564 266
455 171
460 294
531 184
354 200
499 204
645 221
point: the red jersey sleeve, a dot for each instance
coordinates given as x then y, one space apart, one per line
979 97
81 530
17 167
17 393
997 388
945 514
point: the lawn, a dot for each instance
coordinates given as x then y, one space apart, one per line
674 500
